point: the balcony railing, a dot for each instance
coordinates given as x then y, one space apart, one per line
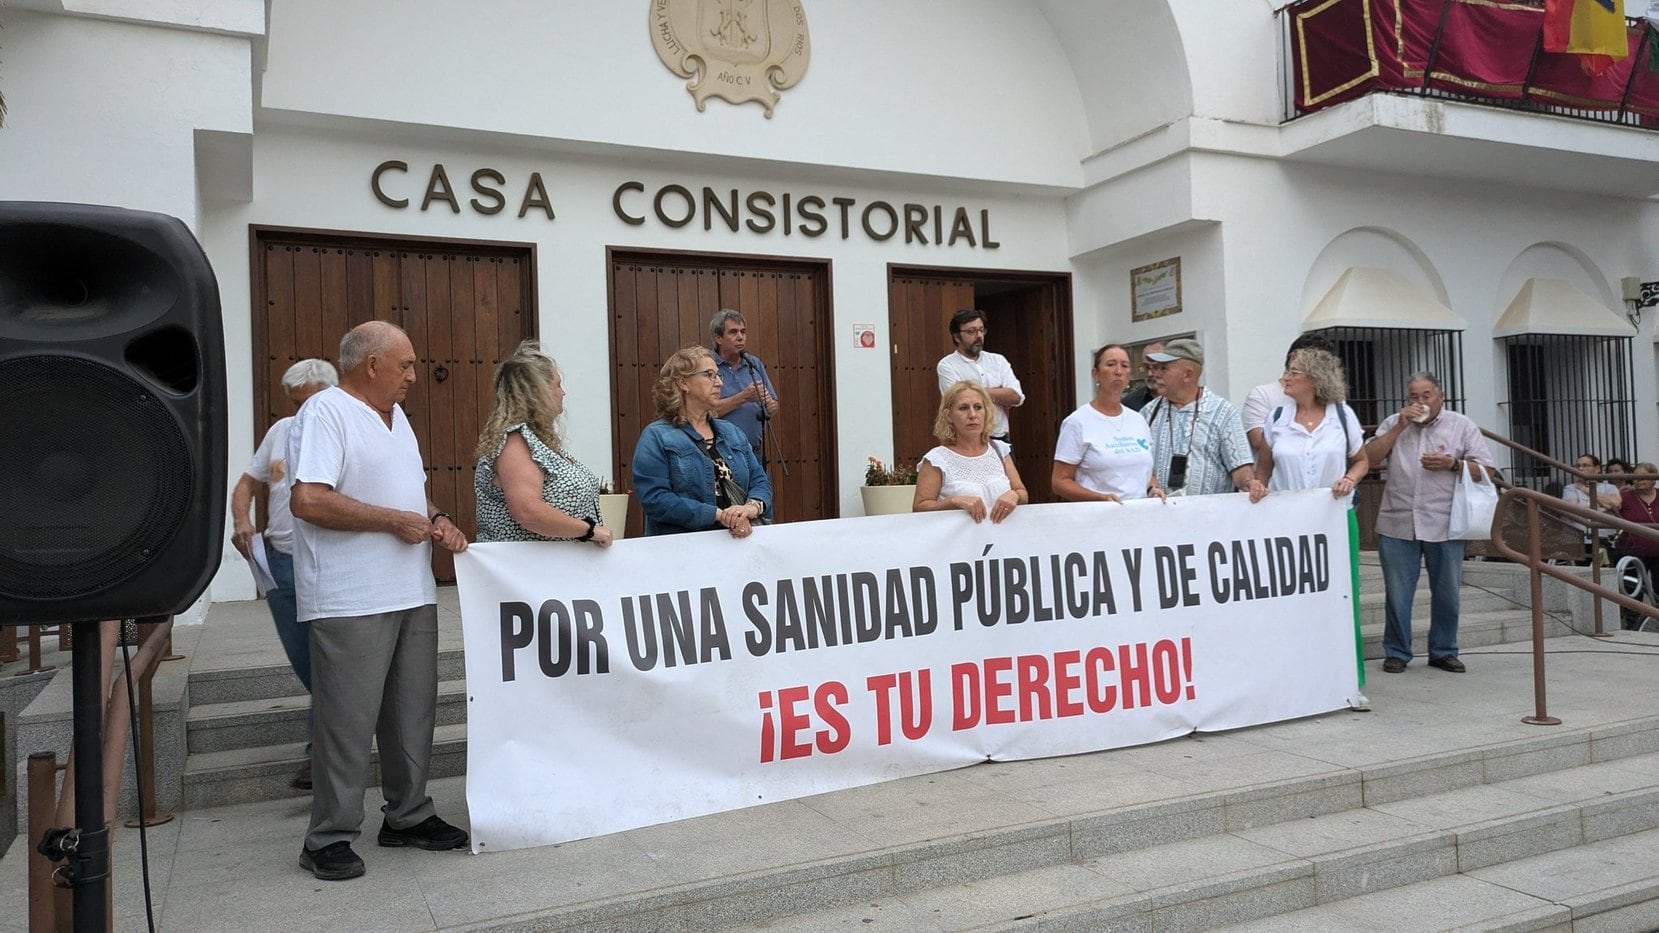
1475 51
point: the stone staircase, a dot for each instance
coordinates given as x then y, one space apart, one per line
1558 832
245 732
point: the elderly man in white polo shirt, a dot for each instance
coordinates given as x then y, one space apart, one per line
364 530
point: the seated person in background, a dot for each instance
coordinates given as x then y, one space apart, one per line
1604 497
1639 504
969 471
1315 440
1104 453
1618 465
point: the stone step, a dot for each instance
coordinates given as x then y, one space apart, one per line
1612 884
1285 867
246 775
1474 630
265 681
281 720
1200 860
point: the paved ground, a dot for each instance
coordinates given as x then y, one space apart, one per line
234 868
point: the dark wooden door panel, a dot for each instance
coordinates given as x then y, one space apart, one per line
919 320
1029 321
663 302
465 305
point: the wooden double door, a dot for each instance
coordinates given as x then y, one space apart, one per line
1029 320
466 306
663 301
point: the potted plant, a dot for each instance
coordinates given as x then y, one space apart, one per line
888 491
613 508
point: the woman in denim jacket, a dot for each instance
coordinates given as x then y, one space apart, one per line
683 456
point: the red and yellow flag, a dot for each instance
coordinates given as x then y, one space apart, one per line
1593 28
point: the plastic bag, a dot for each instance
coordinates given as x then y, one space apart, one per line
1474 502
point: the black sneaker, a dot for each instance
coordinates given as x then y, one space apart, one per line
334 862
431 834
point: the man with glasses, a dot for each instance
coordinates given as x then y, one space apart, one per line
971 361
1198 443
1590 494
1423 446
1138 397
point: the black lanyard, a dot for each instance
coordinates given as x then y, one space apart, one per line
1169 423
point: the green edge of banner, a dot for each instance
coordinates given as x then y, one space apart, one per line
1353 567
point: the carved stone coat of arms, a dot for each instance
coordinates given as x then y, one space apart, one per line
737 50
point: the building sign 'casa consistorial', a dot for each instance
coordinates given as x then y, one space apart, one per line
738 50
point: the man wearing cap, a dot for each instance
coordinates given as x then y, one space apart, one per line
971 361
1198 443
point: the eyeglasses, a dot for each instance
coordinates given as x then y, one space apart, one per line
971 331
1295 372
713 375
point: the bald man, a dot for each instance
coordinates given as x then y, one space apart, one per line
364 530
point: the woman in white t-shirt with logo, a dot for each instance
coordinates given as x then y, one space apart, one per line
1316 440
1104 453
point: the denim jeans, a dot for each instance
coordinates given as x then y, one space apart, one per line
1402 562
294 634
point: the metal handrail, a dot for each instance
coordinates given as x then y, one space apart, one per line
1534 501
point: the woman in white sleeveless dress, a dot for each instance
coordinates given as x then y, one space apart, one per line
968 471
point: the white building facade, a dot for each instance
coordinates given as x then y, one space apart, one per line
1043 148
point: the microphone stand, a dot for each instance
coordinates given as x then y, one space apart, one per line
765 420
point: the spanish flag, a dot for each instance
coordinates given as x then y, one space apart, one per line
1587 27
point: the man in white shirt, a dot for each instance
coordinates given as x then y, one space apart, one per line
363 532
269 468
971 361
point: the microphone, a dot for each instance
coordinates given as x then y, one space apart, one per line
754 379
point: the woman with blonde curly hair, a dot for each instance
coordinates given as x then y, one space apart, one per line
692 470
1315 440
528 488
969 470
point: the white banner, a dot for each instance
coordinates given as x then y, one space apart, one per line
678 676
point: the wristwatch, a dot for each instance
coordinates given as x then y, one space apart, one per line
591 525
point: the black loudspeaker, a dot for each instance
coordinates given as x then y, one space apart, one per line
112 414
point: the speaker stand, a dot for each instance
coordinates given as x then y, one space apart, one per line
85 847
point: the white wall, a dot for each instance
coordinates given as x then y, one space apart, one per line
1472 233
103 112
976 89
1109 318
